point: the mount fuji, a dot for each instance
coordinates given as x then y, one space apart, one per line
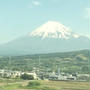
49 38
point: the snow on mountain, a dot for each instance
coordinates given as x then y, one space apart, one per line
53 29
55 38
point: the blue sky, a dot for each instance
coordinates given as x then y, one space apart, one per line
18 17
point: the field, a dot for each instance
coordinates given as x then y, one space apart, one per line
13 84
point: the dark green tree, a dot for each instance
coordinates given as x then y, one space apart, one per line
27 77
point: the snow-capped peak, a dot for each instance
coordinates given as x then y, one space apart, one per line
52 29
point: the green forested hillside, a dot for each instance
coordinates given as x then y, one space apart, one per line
69 62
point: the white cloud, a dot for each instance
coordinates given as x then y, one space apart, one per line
88 35
36 3
87 13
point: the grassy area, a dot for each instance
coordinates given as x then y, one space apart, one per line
44 85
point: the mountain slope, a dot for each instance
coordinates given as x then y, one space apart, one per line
50 37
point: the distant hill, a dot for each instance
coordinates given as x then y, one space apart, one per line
69 62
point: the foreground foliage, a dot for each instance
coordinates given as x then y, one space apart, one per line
33 83
43 85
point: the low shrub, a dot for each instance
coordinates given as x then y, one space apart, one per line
33 83
27 77
48 88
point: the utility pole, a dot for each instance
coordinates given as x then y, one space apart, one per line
88 65
8 67
59 72
9 62
39 61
